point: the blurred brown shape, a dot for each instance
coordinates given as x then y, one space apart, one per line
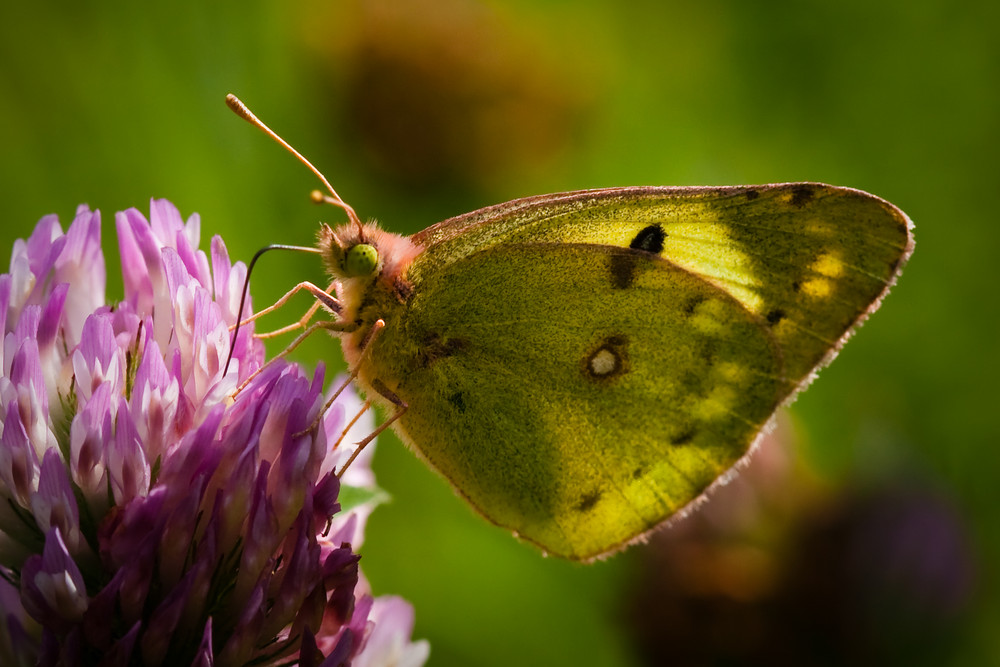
449 92
779 569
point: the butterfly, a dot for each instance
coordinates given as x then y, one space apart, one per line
584 366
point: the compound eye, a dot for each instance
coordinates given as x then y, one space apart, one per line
360 260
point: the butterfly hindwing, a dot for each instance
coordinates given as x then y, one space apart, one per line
573 408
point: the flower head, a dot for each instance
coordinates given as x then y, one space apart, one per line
149 513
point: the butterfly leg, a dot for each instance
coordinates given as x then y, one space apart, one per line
377 327
343 434
337 327
323 298
377 385
401 407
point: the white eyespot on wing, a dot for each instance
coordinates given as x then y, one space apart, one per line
604 362
608 360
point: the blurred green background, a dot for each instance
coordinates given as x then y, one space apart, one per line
871 528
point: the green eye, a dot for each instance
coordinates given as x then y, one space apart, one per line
360 260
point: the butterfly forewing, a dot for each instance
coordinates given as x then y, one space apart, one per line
811 259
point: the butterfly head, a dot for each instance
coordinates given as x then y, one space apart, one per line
365 254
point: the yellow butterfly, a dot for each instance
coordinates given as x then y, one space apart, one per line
584 366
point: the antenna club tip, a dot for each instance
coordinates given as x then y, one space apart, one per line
241 110
237 106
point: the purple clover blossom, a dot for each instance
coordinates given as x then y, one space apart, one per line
148 515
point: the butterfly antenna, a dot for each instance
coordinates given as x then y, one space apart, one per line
246 285
243 112
322 198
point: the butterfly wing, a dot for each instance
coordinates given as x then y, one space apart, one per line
583 366
578 414
811 259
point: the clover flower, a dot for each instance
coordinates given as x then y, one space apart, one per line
149 514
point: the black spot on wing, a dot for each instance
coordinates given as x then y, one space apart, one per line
751 194
458 401
684 437
691 380
649 239
775 316
692 304
588 501
624 265
622 268
434 347
802 195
